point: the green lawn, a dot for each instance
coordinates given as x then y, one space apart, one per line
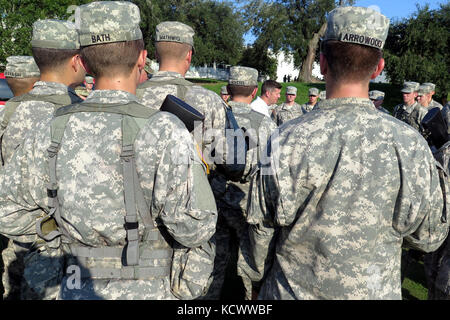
414 284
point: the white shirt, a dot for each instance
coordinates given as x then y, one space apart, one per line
259 105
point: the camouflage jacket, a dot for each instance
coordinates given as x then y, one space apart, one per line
307 107
329 213
91 193
411 115
29 113
285 113
434 104
384 110
205 101
234 194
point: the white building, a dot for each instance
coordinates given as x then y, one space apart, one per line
286 68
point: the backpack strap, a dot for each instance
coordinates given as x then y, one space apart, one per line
181 84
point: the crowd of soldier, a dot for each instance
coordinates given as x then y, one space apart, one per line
182 217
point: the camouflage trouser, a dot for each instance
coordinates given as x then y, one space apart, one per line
230 225
43 271
12 256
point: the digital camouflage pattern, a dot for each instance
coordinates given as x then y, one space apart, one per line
358 25
434 104
107 21
174 31
376 95
243 76
412 115
28 113
410 86
286 112
291 90
55 34
21 67
424 88
313 92
172 177
330 224
205 101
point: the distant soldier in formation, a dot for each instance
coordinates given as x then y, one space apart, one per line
313 95
288 110
410 111
330 209
147 72
224 93
84 90
425 96
377 97
21 74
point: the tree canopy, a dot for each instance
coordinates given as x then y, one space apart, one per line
219 28
417 48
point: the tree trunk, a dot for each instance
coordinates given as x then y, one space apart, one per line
307 64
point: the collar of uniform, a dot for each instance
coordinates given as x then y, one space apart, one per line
239 107
44 87
285 106
110 97
339 102
163 75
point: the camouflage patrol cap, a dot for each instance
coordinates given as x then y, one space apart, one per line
21 67
358 25
424 89
174 31
431 85
55 34
313 92
291 90
376 95
147 66
223 90
243 76
89 79
410 86
108 22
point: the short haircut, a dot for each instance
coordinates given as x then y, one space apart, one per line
240 91
350 62
171 50
52 59
112 59
270 85
20 86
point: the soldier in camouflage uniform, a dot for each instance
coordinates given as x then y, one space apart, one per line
323 95
21 73
174 49
90 181
313 95
232 205
425 96
84 90
377 97
288 110
224 93
410 111
344 185
55 48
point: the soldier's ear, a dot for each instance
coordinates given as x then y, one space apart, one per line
378 70
142 59
84 65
